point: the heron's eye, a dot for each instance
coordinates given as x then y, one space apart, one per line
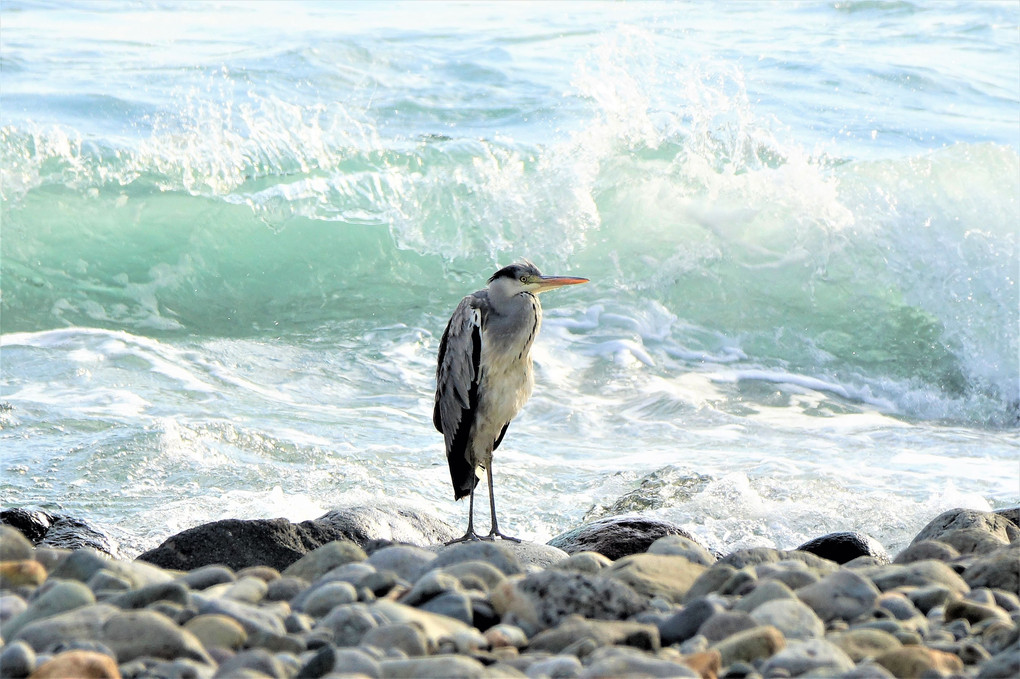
524 279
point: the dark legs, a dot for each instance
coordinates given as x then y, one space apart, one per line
495 532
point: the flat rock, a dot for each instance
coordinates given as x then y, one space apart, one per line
612 662
843 595
616 536
602 632
916 574
994 524
791 617
497 554
756 556
845 546
541 600
64 595
436 667
217 630
77 663
813 657
915 661
751 645
864 643
403 636
85 623
667 576
134 634
407 561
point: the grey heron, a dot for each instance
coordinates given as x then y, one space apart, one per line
484 375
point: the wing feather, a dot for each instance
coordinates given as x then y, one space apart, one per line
457 377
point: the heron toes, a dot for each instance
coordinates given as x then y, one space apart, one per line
494 534
470 536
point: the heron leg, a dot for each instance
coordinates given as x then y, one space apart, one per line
495 532
470 534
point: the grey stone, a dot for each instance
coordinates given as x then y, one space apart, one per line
927 598
476 575
533 556
247 589
430 585
207 576
583 562
919 550
82 564
437 667
11 605
812 657
13 545
679 545
666 576
765 590
163 591
134 634
750 646
613 662
81 623
63 595
496 554
17 660
791 617
252 618
348 624
994 524
1005 665
407 561
684 624
456 605
323 599
285 588
712 580
404 636
601 632
724 624
616 536
1000 569
323 559
843 595
756 556
256 659
555 667
916 574
107 581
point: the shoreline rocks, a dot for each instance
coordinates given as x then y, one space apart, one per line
370 604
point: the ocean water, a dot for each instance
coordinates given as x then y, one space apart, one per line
232 234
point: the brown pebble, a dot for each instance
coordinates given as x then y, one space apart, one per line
910 662
706 663
22 573
79 664
265 573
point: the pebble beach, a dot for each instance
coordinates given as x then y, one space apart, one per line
945 606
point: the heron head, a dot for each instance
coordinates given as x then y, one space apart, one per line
524 276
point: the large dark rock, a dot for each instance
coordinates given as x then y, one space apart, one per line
240 543
845 546
57 530
616 536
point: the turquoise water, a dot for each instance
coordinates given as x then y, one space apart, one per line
232 234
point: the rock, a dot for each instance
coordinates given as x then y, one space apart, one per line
78 664
254 619
437 667
765 590
81 623
323 559
845 546
613 662
27 573
506 635
601 632
656 575
685 623
496 554
750 645
285 589
175 592
791 617
911 662
64 595
11 605
17 660
813 657
707 664
14 546
216 630
864 643
926 549
591 563
348 624
560 666
541 600
407 561
205 577
724 624
1010 513
916 574
711 580
476 575
66 532
248 589
31 525
83 564
393 522
134 634
533 555
678 545
843 595
616 536
402 636
1000 569
323 599
972 540
997 526
973 612
434 627
755 556
456 605
1005 665
253 659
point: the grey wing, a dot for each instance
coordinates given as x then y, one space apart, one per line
457 377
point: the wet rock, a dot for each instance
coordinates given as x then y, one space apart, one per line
842 595
845 546
80 664
616 536
669 577
31 526
791 617
541 600
750 645
813 657
916 661
993 524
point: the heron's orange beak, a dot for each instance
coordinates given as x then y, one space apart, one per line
553 282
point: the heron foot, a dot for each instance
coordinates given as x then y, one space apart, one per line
469 536
494 534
